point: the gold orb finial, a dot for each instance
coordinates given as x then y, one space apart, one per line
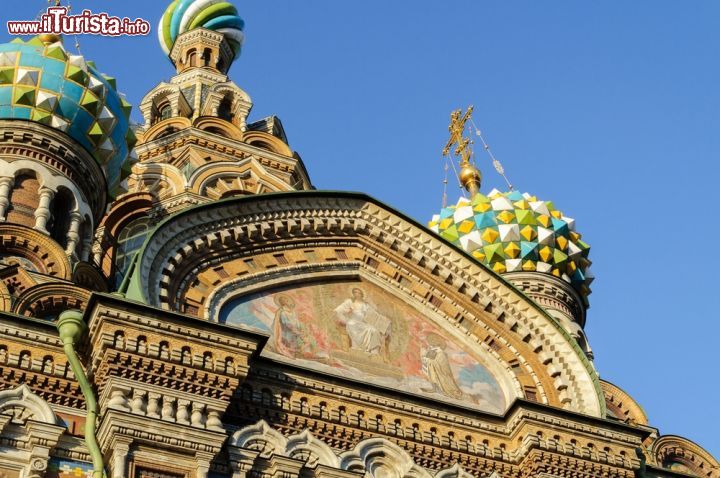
470 178
49 38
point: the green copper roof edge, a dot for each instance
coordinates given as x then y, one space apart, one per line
132 286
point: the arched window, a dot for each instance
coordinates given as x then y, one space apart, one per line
225 109
207 57
59 224
129 241
192 58
163 111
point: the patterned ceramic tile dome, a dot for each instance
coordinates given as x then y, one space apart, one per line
42 82
184 15
512 232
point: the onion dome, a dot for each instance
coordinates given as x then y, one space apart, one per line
185 15
513 232
40 81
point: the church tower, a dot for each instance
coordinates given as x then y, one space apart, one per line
65 145
197 143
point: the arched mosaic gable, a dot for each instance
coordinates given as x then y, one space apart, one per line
358 327
190 254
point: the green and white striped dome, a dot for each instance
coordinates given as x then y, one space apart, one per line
185 15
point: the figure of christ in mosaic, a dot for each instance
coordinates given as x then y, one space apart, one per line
367 329
362 332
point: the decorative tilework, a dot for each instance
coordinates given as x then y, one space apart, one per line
46 84
61 468
512 231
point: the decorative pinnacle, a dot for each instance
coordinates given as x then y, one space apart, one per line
469 175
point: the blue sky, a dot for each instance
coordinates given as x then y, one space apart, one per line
611 109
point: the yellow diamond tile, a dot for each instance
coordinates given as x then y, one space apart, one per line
574 236
571 266
466 226
499 267
506 216
490 235
478 255
556 214
482 207
546 254
512 250
528 266
556 272
544 220
561 243
528 233
521 204
445 223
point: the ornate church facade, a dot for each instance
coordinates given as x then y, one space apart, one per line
177 299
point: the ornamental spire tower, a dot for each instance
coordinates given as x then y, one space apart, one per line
197 143
528 241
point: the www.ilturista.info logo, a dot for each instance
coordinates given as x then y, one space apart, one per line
57 21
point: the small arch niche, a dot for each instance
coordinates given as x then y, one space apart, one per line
192 58
62 205
225 109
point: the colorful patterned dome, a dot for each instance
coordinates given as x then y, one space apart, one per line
44 83
511 232
185 15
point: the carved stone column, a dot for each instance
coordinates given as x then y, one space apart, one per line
42 213
118 455
6 184
87 244
73 234
203 464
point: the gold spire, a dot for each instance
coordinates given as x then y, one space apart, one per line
469 175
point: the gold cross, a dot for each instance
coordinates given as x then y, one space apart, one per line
456 128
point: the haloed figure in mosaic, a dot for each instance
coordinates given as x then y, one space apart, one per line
367 328
436 366
288 330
